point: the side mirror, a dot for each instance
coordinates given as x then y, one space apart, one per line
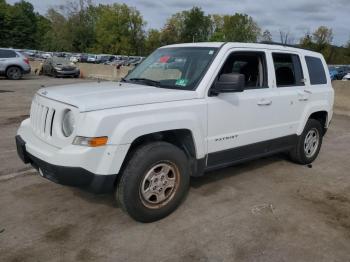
229 83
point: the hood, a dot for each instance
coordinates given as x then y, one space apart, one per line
97 96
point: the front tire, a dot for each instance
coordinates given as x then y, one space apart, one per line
154 182
309 143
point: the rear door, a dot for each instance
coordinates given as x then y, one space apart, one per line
292 94
7 57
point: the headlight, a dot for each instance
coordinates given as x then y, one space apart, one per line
58 68
68 123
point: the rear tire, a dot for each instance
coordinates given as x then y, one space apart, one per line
309 143
154 182
14 73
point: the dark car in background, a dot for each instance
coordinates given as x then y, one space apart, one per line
60 67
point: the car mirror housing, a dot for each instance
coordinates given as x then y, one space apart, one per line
229 83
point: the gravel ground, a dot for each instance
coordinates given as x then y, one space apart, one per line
264 210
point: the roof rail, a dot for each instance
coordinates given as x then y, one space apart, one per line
281 44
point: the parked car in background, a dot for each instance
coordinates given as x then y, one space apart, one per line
46 55
347 77
60 67
342 71
333 74
74 59
83 58
91 59
13 64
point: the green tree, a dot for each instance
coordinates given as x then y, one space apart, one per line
217 23
266 36
119 30
236 28
20 25
81 26
196 26
307 42
347 47
187 26
321 41
172 30
3 23
153 40
323 37
58 38
41 35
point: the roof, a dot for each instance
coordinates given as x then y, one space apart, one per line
269 46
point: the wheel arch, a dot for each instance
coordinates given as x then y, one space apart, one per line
13 65
182 138
320 115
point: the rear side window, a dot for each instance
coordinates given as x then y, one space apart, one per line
7 54
288 70
316 70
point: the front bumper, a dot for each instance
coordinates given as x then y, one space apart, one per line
67 73
71 176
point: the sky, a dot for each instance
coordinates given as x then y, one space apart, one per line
295 16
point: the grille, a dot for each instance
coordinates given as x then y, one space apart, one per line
41 118
68 68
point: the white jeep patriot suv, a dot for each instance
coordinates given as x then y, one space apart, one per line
185 110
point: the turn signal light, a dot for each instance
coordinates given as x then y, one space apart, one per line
98 141
90 141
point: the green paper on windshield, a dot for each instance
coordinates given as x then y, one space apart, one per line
181 82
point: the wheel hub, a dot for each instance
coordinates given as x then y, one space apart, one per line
159 185
311 142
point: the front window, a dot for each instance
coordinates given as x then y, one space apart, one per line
177 68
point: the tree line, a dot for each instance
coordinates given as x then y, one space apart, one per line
81 26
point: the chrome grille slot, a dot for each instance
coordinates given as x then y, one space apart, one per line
44 116
41 118
53 117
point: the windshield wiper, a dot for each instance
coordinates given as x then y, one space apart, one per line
146 80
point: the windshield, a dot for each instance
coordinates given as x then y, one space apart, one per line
177 68
60 61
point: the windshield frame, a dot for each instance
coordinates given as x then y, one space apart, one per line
204 72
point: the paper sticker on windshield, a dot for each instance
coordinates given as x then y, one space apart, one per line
181 82
211 52
164 59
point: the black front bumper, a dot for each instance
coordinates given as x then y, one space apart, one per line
70 176
67 73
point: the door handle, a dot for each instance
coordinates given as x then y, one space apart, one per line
303 98
264 102
304 95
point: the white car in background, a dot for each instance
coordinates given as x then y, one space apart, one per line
92 59
346 77
46 55
74 59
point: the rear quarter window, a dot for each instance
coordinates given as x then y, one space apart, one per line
316 70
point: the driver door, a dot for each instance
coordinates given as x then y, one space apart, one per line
241 125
